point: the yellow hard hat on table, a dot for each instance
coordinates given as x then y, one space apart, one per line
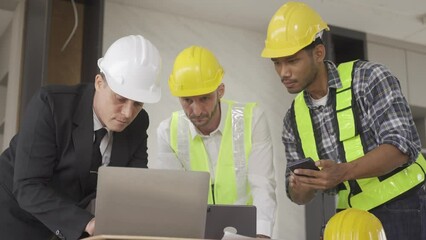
354 224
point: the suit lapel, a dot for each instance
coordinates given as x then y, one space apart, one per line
83 134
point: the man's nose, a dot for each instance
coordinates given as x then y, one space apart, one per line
128 109
197 109
284 71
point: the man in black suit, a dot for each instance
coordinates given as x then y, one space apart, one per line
46 172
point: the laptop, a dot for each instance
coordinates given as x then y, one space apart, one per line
237 219
151 202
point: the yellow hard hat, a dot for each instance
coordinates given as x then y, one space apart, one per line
196 71
294 26
354 224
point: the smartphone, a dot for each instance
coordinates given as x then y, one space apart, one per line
305 163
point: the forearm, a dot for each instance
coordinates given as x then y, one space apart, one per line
262 181
378 162
62 216
264 198
166 157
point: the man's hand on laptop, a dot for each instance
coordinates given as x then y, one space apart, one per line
90 227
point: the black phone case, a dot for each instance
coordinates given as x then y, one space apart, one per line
305 163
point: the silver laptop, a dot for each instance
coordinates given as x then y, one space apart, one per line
238 219
151 202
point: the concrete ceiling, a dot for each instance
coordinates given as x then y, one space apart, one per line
6 13
396 19
8 5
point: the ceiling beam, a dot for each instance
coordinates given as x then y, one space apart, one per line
9 5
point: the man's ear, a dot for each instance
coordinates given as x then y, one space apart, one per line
221 90
99 81
319 53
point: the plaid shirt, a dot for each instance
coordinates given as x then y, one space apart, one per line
384 113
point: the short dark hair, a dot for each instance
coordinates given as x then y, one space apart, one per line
315 43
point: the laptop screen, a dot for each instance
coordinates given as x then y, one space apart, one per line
151 202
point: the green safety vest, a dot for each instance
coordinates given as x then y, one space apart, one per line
366 193
231 182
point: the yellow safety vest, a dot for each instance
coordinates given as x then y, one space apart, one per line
231 182
364 193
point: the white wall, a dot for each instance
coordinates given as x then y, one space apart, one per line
248 77
4 65
407 62
4 51
14 64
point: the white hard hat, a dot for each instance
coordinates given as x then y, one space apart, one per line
131 66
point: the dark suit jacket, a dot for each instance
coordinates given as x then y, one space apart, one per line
44 172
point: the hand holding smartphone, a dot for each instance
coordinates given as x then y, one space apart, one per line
305 163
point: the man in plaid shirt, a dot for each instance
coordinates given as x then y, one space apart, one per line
353 121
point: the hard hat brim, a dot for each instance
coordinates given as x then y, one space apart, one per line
138 95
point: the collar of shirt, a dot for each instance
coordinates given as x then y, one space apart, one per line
96 122
218 130
333 75
98 125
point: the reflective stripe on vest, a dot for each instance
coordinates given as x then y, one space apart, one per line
364 193
231 182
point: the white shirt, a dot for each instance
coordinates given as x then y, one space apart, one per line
261 176
106 142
